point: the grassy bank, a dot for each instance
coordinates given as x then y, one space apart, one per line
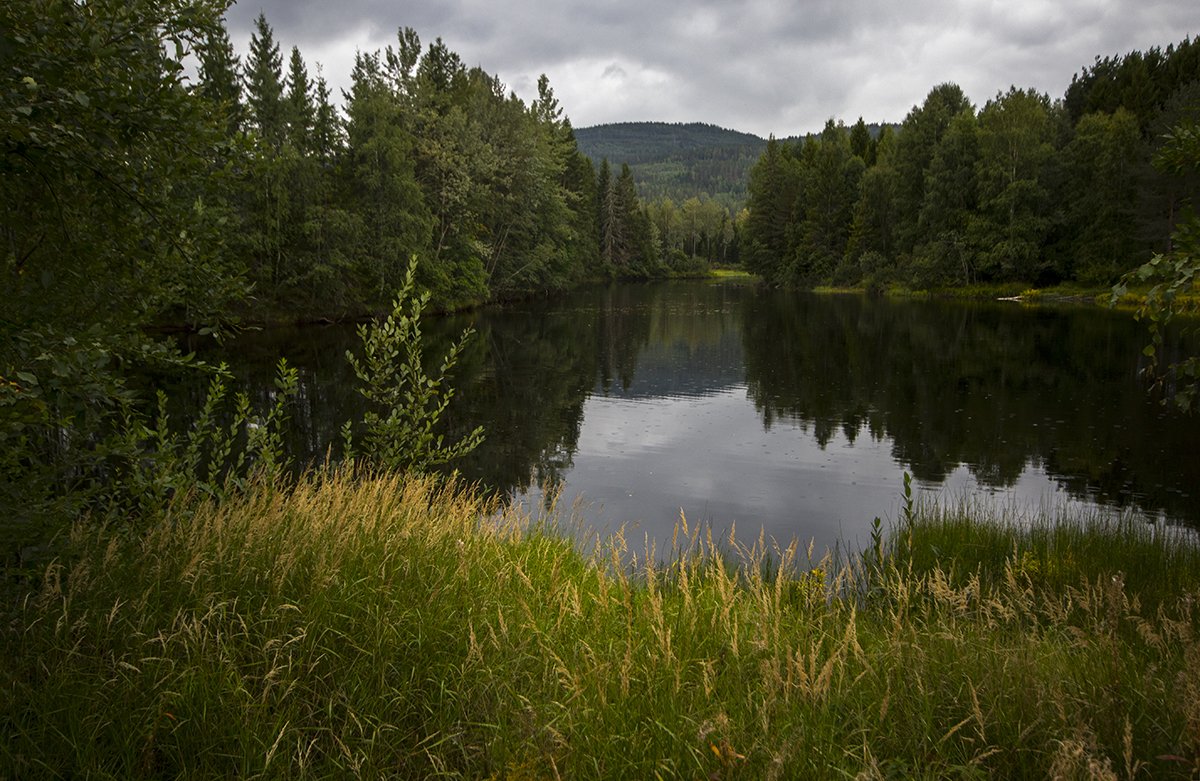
391 627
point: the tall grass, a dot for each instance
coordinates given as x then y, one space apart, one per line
392 627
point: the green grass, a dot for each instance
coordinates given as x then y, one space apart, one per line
384 627
730 273
834 290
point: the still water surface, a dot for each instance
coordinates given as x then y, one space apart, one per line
790 413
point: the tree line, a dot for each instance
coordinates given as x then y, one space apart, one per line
1023 189
423 157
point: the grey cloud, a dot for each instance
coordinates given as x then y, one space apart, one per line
756 65
614 71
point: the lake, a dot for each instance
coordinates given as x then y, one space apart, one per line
789 413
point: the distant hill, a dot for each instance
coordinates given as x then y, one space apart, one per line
681 161
677 160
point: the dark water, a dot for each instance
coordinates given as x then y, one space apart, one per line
790 413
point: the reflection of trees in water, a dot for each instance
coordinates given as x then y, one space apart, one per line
986 385
994 387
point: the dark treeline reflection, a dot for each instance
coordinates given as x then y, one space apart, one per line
524 376
996 387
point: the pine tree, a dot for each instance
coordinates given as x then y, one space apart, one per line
381 184
830 186
950 203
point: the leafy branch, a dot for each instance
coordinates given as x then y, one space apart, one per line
399 433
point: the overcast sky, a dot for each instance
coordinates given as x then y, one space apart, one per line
760 66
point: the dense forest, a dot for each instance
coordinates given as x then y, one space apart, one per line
250 190
1023 189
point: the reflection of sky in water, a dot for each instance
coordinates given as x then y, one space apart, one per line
647 399
641 460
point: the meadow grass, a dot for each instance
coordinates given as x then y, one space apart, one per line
373 626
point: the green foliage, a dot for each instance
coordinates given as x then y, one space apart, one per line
773 190
1102 195
1140 82
219 82
75 439
400 431
226 447
1173 277
112 221
264 84
105 163
829 185
1028 190
1016 146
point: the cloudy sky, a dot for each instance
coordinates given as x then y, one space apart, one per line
760 66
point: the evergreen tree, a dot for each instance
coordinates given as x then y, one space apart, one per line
773 189
607 225
830 186
380 183
871 245
327 134
579 181
861 143
218 77
264 84
300 112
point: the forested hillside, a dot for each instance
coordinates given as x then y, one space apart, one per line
677 161
1024 188
682 160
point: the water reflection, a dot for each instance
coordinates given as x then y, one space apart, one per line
785 412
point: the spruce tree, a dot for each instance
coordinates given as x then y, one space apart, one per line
604 212
327 128
860 141
264 84
218 77
299 104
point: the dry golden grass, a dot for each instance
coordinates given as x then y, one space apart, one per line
400 627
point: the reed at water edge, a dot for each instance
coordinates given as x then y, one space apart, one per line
384 626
